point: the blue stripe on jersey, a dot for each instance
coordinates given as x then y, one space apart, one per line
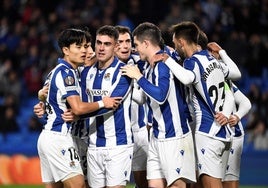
222 132
238 127
204 86
169 125
183 106
121 136
141 116
101 140
207 116
165 102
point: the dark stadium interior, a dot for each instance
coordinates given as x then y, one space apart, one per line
28 51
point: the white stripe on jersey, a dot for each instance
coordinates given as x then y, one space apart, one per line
108 128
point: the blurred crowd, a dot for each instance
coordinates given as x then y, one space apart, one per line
29 29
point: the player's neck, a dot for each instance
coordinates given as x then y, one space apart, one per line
191 50
105 64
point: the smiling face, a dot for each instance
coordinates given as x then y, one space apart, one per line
123 49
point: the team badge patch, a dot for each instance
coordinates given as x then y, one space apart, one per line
69 80
107 76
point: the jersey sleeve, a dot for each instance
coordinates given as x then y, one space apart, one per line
157 91
233 71
243 103
183 75
69 84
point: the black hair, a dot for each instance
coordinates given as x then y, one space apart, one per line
73 36
109 30
148 31
187 30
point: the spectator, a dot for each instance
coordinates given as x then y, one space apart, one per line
34 124
8 113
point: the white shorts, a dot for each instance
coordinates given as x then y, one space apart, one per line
171 159
232 172
81 148
109 166
140 149
210 155
58 156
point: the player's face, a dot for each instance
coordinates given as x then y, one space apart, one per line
123 50
178 46
140 47
104 48
90 57
76 53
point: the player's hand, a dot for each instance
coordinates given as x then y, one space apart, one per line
111 102
233 120
131 71
160 57
214 49
39 109
42 93
69 116
221 119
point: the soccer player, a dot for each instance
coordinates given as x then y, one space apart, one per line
110 148
59 160
171 154
139 118
212 135
232 167
79 129
242 107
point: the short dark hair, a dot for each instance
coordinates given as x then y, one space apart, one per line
148 31
73 36
109 30
122 29
202 40
187 30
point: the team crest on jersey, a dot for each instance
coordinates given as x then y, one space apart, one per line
72 164
69 80
107 76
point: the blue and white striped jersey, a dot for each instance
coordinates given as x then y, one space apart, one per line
166 102
208 94
109 128
139 112
80 128
63 82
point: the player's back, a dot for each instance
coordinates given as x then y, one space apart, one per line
209 93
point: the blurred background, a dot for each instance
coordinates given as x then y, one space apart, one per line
28 51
